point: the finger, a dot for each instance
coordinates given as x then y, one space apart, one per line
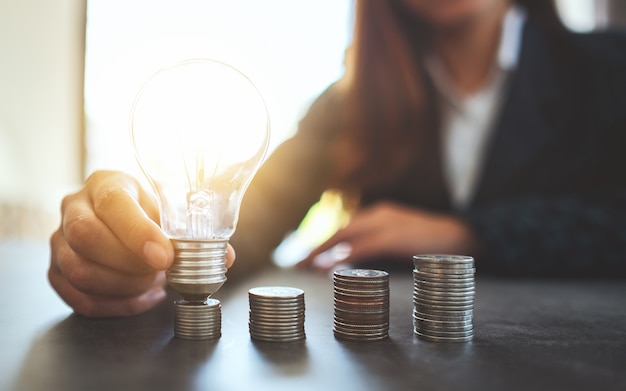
94 279
103 306
340 236
355 229
362 248
116 203
230 256
83 233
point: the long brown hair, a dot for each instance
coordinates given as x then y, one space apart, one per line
390 122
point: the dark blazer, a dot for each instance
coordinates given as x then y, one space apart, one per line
552 197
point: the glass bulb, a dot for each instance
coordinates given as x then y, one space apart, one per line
200 130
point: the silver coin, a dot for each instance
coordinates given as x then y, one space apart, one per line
275 323
273 338
349 303
449 272
358 300
443 284
277 303
443 259
360 273
283 332
454 300
430 308
354 304
360 290
363 293
442 323
276 336
444 278
276 330
467 292
276 310
360 338
432 338
278 317
378 335
274 301
361 281
275 327
444 265
456 305
366 282
445 333
444 315
198 316
368 313
347 314
443 326
454 289
360 326
428 273
361 335
442 310
444 293
276 291
277 307
361 322
431 333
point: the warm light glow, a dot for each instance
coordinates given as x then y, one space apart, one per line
200 130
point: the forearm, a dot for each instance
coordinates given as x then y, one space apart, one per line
287 185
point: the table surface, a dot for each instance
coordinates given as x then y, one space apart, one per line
529 334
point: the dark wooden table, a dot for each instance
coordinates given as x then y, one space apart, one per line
530 335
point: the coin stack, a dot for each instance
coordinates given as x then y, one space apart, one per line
198 320
443 297
361 299
276 314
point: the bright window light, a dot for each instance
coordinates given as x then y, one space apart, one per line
291 50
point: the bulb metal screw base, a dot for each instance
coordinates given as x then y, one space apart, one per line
198 320
199 268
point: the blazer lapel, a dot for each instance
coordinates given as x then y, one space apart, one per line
522 128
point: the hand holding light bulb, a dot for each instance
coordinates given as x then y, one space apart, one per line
101 264
109 253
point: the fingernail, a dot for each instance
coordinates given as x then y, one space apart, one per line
156 255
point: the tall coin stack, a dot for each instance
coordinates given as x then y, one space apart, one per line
443 297
361 305
198 320
276 314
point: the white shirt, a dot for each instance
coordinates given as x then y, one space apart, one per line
467 121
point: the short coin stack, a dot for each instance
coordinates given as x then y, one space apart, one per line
361 299
276 314
443 297
198 320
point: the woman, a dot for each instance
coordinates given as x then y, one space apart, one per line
477 127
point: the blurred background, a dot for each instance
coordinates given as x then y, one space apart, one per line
69 70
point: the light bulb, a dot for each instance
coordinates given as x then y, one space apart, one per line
200 131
